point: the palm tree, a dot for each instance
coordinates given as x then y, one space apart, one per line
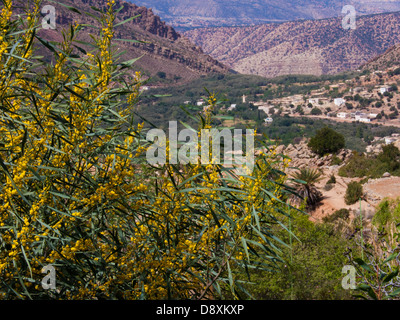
304 182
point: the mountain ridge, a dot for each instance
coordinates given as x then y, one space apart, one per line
188 14
300 47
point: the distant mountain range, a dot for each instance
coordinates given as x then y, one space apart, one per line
300 47
186 14
165 51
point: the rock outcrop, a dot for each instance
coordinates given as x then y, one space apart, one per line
302 156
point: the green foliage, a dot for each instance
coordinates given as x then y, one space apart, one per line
343 214
361 165
336 161
378 268
79 193
332 179
390 156
161 75
388 212
326 141
353 193
312 270
316 111
304 184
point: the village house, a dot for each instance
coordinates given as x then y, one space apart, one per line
384 89
342 115
339 102
359 115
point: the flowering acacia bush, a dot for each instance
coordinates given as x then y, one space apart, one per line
78 194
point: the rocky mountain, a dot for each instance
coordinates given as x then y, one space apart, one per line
206 13
300 47
164 50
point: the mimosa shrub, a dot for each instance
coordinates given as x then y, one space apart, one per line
77 192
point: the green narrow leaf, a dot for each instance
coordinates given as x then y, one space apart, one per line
230 277
132 41
256 218
391 276
363 265
395 293
392 257
245 249
127 20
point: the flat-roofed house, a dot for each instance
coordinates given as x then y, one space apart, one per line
339 102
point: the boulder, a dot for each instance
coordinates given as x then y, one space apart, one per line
386 175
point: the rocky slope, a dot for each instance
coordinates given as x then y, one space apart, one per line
303 157
206 13
386 60
302 47
165 49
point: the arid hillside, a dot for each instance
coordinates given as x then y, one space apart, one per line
164 49
303 47
386 60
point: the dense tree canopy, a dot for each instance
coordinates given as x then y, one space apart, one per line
326 141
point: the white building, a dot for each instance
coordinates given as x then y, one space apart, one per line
269 120
385 89
365 120
360 116
313 101
233 106
339 102
342 115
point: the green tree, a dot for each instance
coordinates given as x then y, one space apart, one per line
316 111
326 141
161 75
353 193
390 155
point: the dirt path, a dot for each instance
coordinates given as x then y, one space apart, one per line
334 198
